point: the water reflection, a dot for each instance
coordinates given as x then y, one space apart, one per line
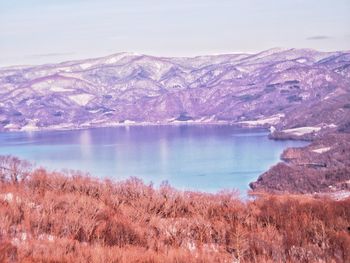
207 158
85 144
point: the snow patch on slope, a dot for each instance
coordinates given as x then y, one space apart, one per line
31 126
81 99
322 150
266 120
302 130
60 89
85 66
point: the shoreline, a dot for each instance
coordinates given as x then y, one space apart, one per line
139 124
268 180
320 168
191 124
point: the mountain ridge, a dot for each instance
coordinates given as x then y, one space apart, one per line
128 88
296 93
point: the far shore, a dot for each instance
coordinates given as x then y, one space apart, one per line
139 124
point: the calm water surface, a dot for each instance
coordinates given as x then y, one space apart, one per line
206 158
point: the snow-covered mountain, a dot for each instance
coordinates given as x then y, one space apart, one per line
283 87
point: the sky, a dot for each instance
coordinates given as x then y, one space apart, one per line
45 31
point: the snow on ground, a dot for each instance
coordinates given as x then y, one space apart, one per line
8 197
59 89
85 65
31 126
62 126
115 58
301 60
48 84
42 85
322 150
302 130
81 99
11 126
267 120
129 122
111 60
340 195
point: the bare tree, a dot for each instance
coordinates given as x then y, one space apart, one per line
13 169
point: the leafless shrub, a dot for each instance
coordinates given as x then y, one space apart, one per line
13 169
54 217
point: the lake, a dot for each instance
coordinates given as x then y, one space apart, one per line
205 158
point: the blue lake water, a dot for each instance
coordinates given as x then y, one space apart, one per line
205 158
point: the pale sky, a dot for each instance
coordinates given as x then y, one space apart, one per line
42 31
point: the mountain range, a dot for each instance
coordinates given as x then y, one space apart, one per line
296 93
284 88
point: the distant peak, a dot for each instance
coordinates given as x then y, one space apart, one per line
275 50
278 49
118 56
124 54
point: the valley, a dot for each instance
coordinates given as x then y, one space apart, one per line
299 94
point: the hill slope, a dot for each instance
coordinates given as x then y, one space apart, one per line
287 87
297 93
51 217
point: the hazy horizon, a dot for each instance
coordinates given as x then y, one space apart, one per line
38 32
82 58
